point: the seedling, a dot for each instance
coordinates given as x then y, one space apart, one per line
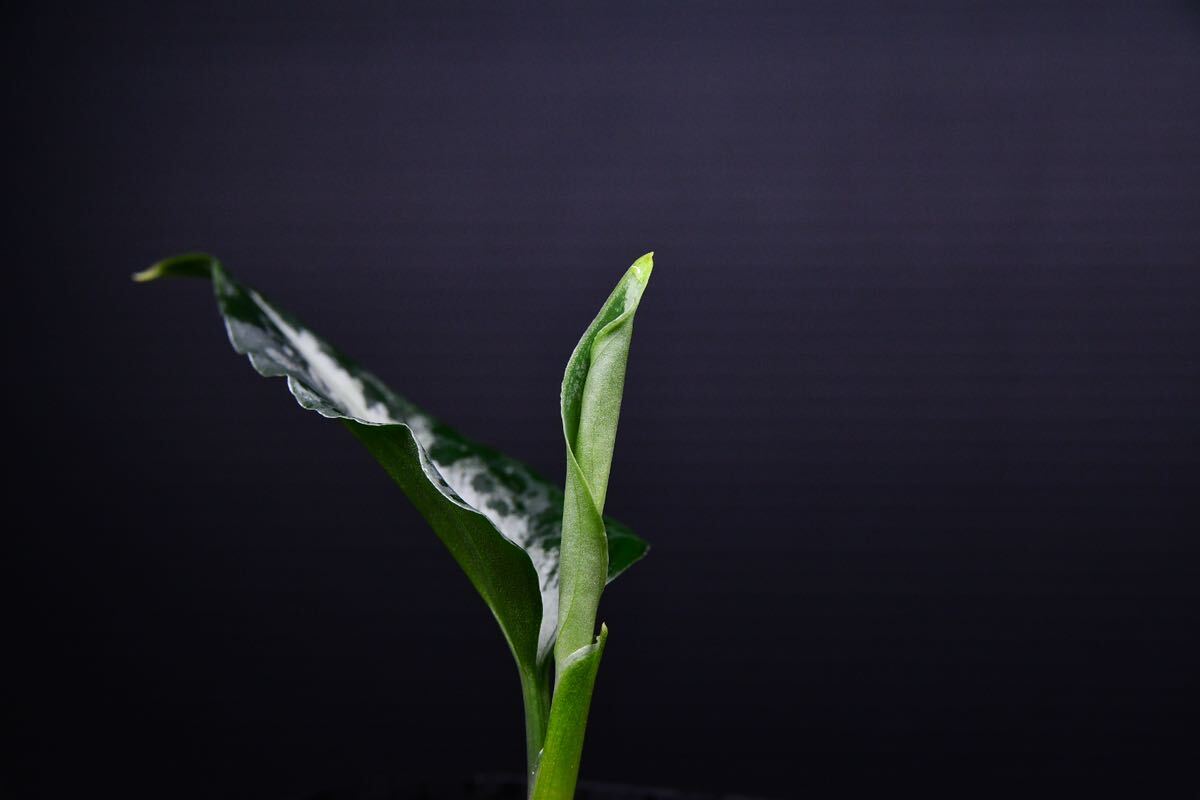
539 556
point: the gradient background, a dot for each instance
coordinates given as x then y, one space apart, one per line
912 417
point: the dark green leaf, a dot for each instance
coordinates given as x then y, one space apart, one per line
500 520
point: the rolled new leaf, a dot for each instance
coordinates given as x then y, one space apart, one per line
593 384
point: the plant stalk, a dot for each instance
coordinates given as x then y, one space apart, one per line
558 769
535 689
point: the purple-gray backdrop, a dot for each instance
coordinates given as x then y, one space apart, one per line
912 415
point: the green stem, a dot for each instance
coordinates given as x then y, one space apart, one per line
558 769
535 688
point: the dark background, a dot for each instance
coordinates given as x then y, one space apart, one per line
911 421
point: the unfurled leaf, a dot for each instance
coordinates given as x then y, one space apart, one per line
500 520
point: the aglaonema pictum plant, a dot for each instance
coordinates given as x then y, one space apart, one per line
538 555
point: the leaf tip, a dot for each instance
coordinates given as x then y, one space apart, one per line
187 265
598 646
153 272
642 268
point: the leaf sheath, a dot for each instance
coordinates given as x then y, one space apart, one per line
558 770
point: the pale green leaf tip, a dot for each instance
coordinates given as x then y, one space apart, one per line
642 268
154 272
187 265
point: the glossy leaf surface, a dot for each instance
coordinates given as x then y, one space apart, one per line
500 520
